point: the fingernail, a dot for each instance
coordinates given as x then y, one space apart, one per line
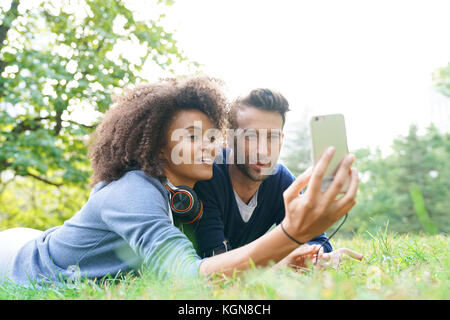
331 149
350 158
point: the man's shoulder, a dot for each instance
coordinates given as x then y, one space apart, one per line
218 179
282 174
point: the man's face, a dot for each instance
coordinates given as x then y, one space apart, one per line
257 141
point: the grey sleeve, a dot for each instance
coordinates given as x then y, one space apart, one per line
138 212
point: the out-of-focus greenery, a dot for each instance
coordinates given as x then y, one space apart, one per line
26 202
60 64
442 79
297 148
416 172
418 163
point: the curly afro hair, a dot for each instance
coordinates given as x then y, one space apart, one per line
134 131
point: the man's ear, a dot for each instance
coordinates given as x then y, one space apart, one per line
281 140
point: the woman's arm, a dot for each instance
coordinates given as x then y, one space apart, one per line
272 246
307 215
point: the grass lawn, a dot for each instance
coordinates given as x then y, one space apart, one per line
394 267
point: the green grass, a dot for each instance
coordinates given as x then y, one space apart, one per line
394 267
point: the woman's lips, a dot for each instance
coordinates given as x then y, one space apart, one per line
206 161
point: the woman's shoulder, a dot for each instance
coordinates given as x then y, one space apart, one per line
133 185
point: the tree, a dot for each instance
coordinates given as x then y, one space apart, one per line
297 156
60 62
296 150
410 187
442 80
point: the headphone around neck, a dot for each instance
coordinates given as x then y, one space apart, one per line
184 203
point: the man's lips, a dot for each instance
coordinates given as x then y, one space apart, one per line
260 165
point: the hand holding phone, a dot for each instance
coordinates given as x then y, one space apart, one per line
326 131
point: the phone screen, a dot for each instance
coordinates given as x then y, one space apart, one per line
329 130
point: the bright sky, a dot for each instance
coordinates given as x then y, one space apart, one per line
370 60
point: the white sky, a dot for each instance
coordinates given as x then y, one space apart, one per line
370 60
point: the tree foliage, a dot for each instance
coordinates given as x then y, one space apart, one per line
409 188
442 80
297 156
60 64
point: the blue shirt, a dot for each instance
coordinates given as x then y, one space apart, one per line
222 224
124 225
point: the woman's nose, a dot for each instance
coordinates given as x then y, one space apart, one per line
208 145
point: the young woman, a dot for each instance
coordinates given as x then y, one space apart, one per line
127 222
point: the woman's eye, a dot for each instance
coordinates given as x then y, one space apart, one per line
212 139
193 137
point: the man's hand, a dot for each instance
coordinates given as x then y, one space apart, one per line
313 212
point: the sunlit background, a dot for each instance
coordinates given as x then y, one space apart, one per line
370 60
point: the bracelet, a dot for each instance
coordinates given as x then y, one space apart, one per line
298 242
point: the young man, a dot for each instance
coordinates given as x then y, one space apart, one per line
244 198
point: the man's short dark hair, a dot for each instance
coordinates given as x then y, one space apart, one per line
263 99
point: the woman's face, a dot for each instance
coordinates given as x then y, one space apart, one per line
191 148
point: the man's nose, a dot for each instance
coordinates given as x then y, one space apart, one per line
263 146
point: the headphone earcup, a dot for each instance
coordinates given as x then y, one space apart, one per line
185 205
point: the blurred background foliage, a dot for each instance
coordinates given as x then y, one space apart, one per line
59 71
60 64
408 189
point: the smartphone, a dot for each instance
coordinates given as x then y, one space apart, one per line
325 131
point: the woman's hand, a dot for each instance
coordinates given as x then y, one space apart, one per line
333 259
301 258
313 212
304 258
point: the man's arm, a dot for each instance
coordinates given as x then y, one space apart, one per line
321 239
287 179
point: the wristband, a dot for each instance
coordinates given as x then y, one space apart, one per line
298 242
